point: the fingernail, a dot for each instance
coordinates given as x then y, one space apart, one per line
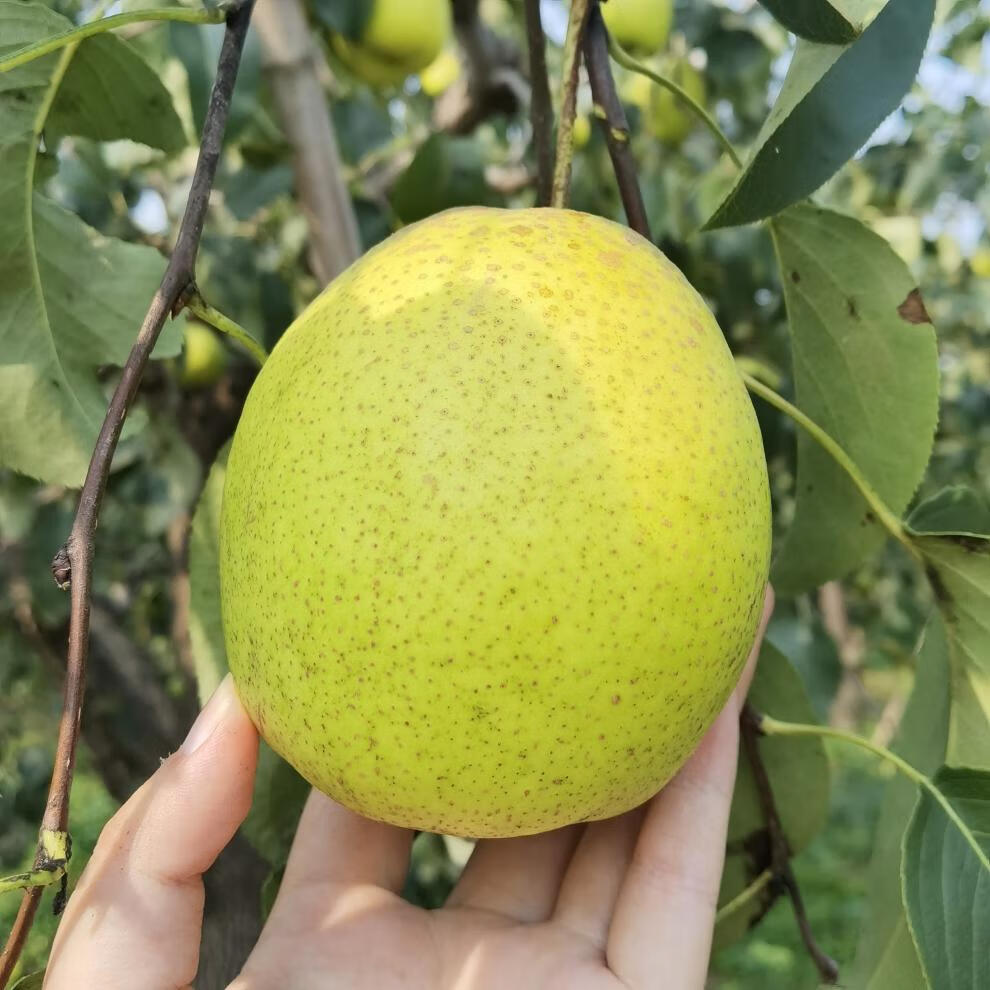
213 713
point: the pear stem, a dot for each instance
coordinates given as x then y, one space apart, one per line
620 55
198 306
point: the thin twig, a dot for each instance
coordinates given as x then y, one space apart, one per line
540 106
568 104
612 117
73 564
780 852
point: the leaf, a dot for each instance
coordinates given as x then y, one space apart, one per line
33 981
953 511
886 956
446 172
861 372
71 300
205 623
816 20
832 100
109 92
958 568
799 775
946 881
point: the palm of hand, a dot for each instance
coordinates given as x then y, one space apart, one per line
374 939
624 903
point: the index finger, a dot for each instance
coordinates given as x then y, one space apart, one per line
665 914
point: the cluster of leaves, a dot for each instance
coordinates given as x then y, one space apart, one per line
95 154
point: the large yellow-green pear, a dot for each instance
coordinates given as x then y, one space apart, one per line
496 527
400 38
641 26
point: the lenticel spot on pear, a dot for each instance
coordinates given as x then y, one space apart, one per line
496 526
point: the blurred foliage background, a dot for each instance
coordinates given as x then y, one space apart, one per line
921 182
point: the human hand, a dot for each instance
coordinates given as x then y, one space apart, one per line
623 904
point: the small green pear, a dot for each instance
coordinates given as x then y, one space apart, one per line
204 358
496 526
401 37
641 26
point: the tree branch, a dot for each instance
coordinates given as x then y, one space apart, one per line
494 84
73 564
612 118
289 58
780 852
540 106
568 103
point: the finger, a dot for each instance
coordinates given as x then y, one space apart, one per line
518 878
336 845
594 877
665 913
138 907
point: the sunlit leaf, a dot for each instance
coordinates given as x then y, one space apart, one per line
832 100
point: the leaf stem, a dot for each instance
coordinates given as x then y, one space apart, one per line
48 45
744 897
204 311
773 727
31 878
886 517
620 55
568 104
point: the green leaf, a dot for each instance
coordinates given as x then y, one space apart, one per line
886 956
958 568
33 981
799 775
816 20
71 300
446 172
866 371
205 623
946 881
110 92
953 511
832 100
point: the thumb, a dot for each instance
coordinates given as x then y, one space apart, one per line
138 907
